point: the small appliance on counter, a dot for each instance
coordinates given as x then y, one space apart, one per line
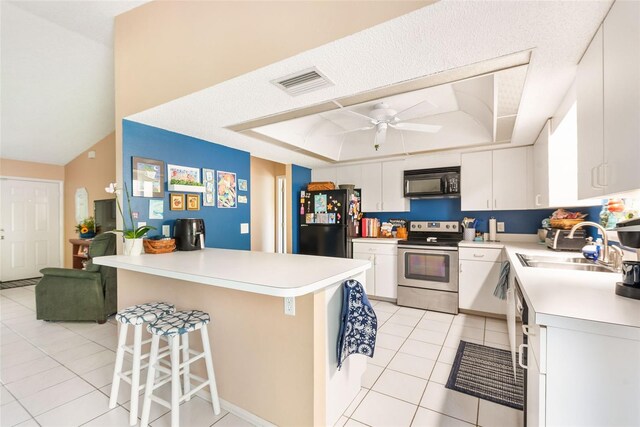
629 235
189 234
557 239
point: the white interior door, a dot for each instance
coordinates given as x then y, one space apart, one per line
30 224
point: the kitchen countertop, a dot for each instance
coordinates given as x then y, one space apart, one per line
281 275
560 297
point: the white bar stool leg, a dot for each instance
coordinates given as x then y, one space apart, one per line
212 378
175 381
185 357
153 358
115 383
135 375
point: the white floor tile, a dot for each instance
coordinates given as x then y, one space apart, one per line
427 418
421 349
27 369
157 410
379 410
454 341
449 402
77 352
340 423
231 420
383 317
35 383
496 337
413 312
433 325
402 319
425 335
466 332
21 356
491 414
65 344
388 341
353 423
412 365
118 416
356 402
386 307
29 423
381 357
441 373
470 320
89 363
76 412
440 317
101 377
497 325
59 394
401 386
5 396
13 413
395 329
197 413
447 355
371 375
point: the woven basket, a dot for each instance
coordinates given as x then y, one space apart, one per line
163 246
565 224
321 186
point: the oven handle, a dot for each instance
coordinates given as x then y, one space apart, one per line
439 250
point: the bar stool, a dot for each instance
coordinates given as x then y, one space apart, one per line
174 326
136 316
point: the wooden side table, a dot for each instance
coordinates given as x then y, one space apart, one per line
80 252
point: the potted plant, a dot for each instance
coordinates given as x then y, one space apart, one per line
87 228
132 236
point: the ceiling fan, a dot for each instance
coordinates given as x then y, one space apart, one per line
383 117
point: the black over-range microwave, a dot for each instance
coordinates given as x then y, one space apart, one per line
432 183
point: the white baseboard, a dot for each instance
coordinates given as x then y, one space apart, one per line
236 410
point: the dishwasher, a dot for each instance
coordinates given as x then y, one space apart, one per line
517 310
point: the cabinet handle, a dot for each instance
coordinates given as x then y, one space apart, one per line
604 168
478 255
595 179
525 330
495 203
487 203
538 200
520 348
382 206
460 267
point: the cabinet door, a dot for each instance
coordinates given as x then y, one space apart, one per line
324 175
371 273
510 183
351 174
371 187
393 199
476 181
477 281
536 395
541 169
622 98
590 106
386 275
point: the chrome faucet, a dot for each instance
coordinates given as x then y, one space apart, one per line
611 255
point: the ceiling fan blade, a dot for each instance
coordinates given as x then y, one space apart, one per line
381 135
352 130
426 101
362 116
416 127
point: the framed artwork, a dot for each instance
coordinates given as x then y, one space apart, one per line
226 190
242 184
193 202
209 181
148 177
176 202
183 175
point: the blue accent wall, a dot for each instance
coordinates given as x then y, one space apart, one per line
222 225
300 177
519 222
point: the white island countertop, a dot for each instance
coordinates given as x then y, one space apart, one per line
280 275
561 297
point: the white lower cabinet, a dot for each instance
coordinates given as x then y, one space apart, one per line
479 271
382 276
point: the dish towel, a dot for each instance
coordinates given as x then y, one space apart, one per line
358 323
503 281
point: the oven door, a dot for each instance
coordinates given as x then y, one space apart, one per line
433 268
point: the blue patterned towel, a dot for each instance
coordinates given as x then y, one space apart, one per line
358 323
503 281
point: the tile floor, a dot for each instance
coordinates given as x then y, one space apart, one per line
59 373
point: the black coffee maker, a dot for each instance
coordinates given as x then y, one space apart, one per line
629 235
189 234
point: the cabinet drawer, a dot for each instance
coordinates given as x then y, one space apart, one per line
481 254
375 248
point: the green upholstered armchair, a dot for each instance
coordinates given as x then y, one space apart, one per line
90 294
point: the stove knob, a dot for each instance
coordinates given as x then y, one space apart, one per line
448 226
455 226
419 225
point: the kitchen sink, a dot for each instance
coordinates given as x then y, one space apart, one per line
560 263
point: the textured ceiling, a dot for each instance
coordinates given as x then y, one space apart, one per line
57 77
443 36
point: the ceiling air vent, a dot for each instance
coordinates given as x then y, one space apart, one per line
304 81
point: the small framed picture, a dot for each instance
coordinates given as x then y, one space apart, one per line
176 202
193 202
148 177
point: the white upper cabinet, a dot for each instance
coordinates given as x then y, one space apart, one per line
325 175
476 181
541 169
371 187
350 174
609 106
393 199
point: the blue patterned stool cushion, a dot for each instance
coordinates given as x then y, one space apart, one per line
144 313
179 323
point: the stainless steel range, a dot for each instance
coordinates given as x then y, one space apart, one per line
428 266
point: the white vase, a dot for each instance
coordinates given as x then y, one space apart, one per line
133 246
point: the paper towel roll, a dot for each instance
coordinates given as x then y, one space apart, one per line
493 228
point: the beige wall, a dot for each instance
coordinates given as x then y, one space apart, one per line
17 168
263 203
92 174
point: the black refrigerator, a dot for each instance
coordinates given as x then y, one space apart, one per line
328 221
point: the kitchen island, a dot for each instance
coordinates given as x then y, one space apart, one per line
270 367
